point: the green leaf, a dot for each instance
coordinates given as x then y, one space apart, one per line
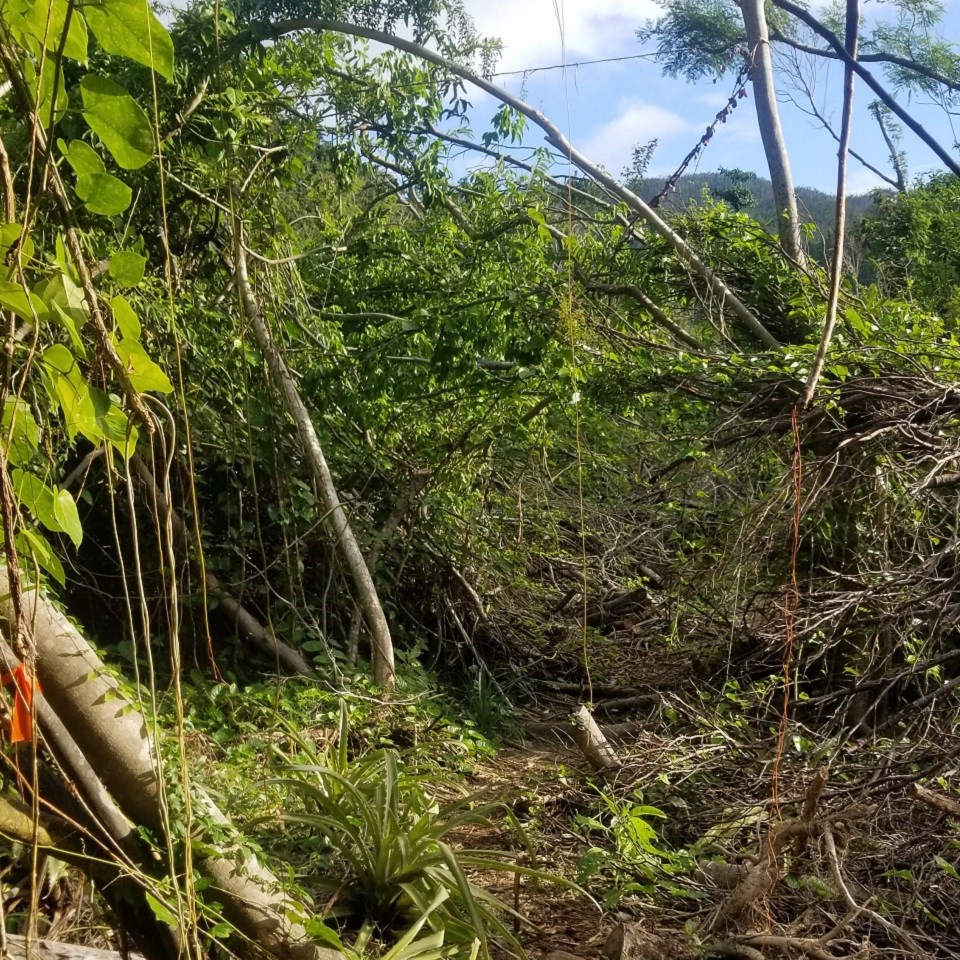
129 28
82 157
66 300
26 306
31 543
19 424
126 318
143 372
65 510
103 193
10 233
161 911
118 120
37 497
126 267
43 21
42 90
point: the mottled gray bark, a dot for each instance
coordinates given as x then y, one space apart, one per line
771 133
114 738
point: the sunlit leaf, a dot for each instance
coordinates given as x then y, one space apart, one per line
118 120
126 318
44 21
126 267
19 424
143 372
31 543
65 510
103 193
129 28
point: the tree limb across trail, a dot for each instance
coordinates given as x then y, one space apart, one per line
554 136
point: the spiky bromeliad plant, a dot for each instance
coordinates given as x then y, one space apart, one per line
375 819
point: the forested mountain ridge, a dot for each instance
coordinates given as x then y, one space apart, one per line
423 568
754 195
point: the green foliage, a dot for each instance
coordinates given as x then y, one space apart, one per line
632 860
390 838
911 242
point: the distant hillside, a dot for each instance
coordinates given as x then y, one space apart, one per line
754 195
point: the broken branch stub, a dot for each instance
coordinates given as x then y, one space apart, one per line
593 744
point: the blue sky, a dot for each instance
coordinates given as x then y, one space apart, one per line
608 108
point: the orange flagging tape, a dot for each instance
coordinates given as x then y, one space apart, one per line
21 718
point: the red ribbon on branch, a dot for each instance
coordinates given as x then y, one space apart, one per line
21 715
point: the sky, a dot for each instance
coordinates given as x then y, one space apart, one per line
608 108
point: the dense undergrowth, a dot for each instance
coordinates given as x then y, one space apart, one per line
573 475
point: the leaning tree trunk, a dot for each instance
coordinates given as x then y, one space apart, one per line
334 512
768 116
114 737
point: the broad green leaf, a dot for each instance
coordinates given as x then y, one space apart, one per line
129 28
143 372
67 388
44 20
30 543
118 120
20 426
26 306
82 157
42 90
37 497
60 360
126 319
126 267
118 429
103 193
86 409
9 234
65 293
161 911
65 510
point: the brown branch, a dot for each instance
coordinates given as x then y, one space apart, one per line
836 265
811 21
937 800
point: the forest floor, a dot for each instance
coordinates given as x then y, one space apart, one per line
877 873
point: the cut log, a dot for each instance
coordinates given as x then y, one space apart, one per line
938 801
113 736
563 732
593 744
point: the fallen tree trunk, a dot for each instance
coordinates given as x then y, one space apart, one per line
113 736
593 744
103 813
59 839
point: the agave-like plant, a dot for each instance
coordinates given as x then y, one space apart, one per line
377 821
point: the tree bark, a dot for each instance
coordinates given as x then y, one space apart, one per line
771 133
113 736
334 513
593 744
55 950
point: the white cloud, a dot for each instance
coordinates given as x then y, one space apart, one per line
636 122
531 34
862 180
